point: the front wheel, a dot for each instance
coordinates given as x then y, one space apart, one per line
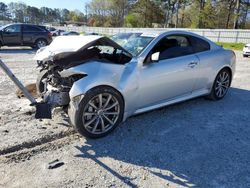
39 81
221 85
99 113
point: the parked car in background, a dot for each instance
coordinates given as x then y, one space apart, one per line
92 33
69 33
102 83
50 29
246 50
35 36
57 32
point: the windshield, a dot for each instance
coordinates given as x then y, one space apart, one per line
134 44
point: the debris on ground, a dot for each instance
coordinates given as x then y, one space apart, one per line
55 164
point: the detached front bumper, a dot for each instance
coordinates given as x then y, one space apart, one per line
50 101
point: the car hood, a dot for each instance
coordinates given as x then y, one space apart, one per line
63 45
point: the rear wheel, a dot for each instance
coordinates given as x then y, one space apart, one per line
221 85
245 55
40 43
99 113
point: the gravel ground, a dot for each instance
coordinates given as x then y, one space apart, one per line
196 143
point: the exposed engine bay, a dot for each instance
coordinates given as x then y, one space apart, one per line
52 85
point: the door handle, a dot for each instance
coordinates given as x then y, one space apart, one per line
192 64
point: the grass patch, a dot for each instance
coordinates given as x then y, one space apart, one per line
231 45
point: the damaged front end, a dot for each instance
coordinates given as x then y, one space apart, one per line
54 89
55 81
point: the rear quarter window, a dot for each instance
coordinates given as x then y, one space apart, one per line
199 45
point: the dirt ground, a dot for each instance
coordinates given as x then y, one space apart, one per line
196 143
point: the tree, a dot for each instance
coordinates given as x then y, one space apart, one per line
208 15
64 14
76 16
33 15
147 12
131 20
4 11
17 11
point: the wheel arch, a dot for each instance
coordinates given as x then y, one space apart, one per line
226 67
108 86
74 105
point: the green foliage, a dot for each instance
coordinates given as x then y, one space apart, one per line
231 45
20 12
146 12
109 13
140 13
132 20
208 15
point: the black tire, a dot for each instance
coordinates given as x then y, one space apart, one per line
84 106
214 92
245 55
40 43
39 84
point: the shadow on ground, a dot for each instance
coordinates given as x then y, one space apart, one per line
17 50
202 142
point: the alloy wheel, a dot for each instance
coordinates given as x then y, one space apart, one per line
101 113
41 43
222 84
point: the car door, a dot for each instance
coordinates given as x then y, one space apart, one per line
171 77
30 33
12 35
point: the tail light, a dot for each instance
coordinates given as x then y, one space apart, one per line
50 35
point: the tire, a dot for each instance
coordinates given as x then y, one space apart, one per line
95 119
221 85
245 55
39 84
40 43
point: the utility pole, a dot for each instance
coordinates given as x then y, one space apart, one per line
86 10
177 12
236 22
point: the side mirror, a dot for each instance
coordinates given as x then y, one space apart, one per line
155 57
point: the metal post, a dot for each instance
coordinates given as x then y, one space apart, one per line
17 82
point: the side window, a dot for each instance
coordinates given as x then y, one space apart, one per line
13 29
199 45
173 46
27 28
182 41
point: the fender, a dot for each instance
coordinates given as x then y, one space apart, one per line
100 74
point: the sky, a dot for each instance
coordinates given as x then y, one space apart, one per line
69 4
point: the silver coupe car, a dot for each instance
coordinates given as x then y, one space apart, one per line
101 83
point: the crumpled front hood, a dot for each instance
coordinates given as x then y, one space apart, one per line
64 44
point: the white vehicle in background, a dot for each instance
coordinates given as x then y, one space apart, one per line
246 50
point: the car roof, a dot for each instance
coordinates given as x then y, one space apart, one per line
44 27
156 33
